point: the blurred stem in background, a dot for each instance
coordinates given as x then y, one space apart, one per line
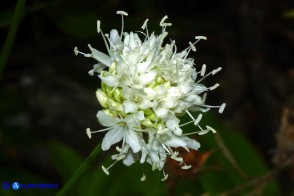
71 183
12 34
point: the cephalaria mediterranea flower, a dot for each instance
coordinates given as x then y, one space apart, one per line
146 86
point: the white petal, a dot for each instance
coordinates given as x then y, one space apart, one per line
113 36
142 67
148 77
130 159
129 107
175 142
140 115
170 102
174 91
150 92
185 88
194 99
191 143
97 68
173 124
199 88
112 136
110 80
107 120
133 140
99 56
145 104
161 112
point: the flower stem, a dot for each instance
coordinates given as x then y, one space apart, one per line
18 13
92 158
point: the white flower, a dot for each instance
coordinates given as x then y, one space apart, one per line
145 87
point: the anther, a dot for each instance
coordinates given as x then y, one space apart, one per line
192 47
105 170
122 13
144 24
203 70
214 86
98 26
221 108
186 167
216 70
210 129
162 20
199 117
165 177
76 51
88 131
143 178
201 37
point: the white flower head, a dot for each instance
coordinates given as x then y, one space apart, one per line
145 87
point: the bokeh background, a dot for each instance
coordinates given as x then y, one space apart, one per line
47 98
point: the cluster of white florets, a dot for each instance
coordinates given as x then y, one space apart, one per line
145 88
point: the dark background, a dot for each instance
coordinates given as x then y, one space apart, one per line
46 93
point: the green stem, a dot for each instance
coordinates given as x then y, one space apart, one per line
12 34
71 183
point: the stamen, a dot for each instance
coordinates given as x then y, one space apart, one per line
214 86
166 24
122 20
213 72
216 70
201 132
204 97
186 123
201 37
143 178
122 13
166 148
203 69
221 108
190 115
199 117
76 51
165 177
192 47
144 24
186 166
105 170
175 154
162 20
98 26
121 157
88 131
210 129
118 149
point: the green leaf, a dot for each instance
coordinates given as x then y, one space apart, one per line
65 160
122 181
226 176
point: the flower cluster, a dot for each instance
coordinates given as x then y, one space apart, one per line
145 88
